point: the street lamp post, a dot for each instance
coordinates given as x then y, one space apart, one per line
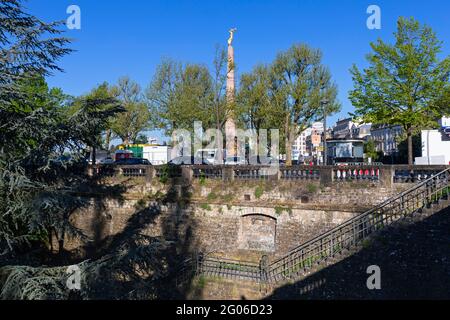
325 155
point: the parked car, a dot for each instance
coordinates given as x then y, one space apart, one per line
107 160
261 160
188 160
234 161
212 156
132 161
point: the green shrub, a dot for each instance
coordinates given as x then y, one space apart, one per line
366 243
202 179
212 196
140 204
228 197
164 174
312 188
259 191
205 206
280 210
201 282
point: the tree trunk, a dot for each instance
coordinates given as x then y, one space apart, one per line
93 156
410 147
50 239
108 138
287 141
60 238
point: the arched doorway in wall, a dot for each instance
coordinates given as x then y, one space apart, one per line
257 232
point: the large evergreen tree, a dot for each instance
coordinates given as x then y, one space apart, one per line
38 184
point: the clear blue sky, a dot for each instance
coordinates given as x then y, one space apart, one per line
130 37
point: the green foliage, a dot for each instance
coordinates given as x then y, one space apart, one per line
136 116
201 282
290 94
29 46
43 137
228 197
371 151
141 139
211 196
279 210
205 206
202 179
405 82
141 260
255 104
101 99
403 148
181 94
259 191
311 187
166 171
140 204
366 243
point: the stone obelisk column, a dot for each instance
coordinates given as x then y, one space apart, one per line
230 124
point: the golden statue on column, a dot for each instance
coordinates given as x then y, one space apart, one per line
230 125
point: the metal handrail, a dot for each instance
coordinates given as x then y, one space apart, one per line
352 220
293 261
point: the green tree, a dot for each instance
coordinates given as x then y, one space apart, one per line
38 186
444 101
403 148
141 139
42 162
291 93
371 151
256 108
136 117
254 103
101 93
404 81
28 46
181 94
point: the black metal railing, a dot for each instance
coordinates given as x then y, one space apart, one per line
207 172
255 172
227 268
167 171
353 231
333 242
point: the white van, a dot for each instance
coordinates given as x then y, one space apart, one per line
212 156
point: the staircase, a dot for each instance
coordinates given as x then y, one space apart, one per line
416 203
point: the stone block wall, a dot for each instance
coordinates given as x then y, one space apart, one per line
242 225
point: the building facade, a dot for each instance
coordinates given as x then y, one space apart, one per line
299 148
343 129
309 143
436 145
386 138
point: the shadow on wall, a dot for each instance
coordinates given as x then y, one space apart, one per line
135 265
414 261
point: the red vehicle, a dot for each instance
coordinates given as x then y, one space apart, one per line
123 154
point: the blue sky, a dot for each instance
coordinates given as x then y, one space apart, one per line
130 37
